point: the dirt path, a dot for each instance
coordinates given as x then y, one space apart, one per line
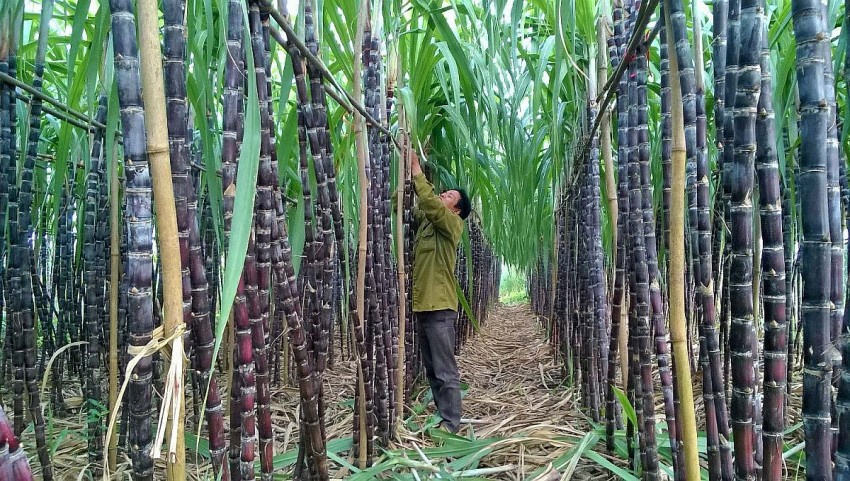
515 392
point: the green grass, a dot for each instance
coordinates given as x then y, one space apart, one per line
512 288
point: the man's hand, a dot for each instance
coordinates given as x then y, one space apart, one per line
415 168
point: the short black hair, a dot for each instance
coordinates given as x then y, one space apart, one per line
464 204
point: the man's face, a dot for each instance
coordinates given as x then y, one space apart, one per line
450 199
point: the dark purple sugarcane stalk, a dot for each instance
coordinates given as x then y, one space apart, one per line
243 433
773 271
174 75
327 209
640 278
720 13
723 258
93 303
597 291
411 334
662 349
123 341
376 296
789 241
666 135
598 287
309 283
138 220
620 285
43 298
7 171
22 311
102 244
836 231
815 268
585 350
260 262
7 105
286 283
742 331
14 285
289 299
274 331
618 302
60 279
196 309
559 309
720 50
390 277
73 289
634 384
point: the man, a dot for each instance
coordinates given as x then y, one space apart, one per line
440 219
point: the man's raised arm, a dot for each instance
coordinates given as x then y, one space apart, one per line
430 204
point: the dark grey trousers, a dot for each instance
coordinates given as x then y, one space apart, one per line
438 343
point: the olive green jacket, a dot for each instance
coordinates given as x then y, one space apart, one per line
434 251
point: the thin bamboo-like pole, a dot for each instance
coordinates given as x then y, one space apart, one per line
114 286
676 282
363 214
166 213
605 129
402 278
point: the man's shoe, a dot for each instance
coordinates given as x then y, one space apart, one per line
443 427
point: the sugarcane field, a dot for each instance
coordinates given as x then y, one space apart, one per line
526 240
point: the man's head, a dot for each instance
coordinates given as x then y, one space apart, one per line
457 201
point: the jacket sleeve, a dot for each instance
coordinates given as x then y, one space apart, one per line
433 209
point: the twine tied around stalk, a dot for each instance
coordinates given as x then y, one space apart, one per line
172 398
156 343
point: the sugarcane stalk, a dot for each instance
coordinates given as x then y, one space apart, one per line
92 359
618 304
773 268
742 330
174 33
815 269
140 235
264 219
